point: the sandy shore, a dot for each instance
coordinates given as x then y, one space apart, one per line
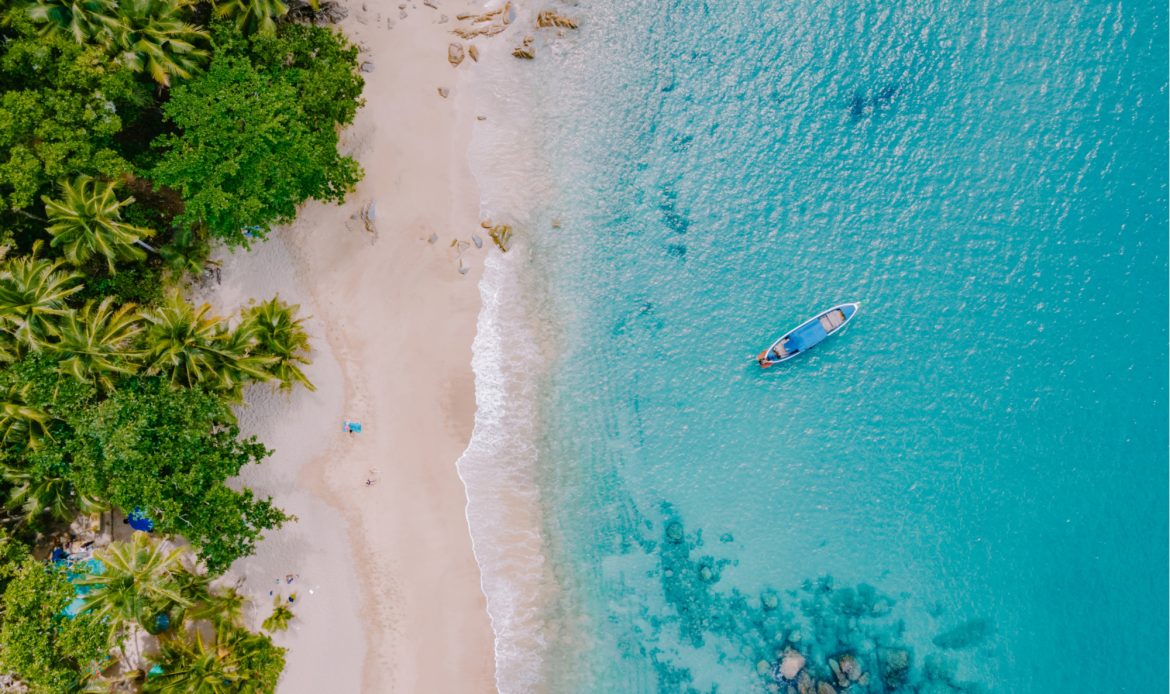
389 590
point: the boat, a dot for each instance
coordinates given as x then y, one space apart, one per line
808 334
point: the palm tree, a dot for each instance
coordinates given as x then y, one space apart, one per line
36 495
20 423
238 662
242 362
194 667
87 222
185 344
138 581
222 607
10 347
279 334
80 20
151 36
98 342
188 252
32 297
281 614
254 15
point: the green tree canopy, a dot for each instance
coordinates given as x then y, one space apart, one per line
12 555
34 479
50 652
169 451
318 62
247 154
61 109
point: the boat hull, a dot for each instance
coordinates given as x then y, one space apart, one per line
808 334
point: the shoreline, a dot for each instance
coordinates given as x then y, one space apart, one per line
392 325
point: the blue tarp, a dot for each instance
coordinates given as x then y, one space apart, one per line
139 521
806 336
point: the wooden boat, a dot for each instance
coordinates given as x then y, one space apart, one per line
808 334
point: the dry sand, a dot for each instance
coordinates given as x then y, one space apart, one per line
389 596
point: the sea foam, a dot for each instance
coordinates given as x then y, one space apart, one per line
499 466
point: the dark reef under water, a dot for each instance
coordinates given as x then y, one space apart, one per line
818 638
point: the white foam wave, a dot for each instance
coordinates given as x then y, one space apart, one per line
499 467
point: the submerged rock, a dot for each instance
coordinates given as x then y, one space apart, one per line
804 683
473 52
895 667
791 664
967 634
837 674
850 667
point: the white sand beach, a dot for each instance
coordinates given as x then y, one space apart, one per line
389 595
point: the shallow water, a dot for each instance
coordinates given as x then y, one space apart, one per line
985 445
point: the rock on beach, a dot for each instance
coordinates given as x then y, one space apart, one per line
549 18
455 54
525 50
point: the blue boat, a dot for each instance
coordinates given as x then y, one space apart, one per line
808 334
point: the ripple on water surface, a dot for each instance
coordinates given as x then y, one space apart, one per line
978 462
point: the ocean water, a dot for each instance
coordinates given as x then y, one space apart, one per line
967 488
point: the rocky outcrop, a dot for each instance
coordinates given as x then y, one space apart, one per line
473 53
486 24
455 54
500 234
525 50
326 12
549 18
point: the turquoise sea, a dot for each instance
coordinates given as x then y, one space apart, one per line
964 491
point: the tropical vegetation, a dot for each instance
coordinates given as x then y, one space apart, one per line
134 134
